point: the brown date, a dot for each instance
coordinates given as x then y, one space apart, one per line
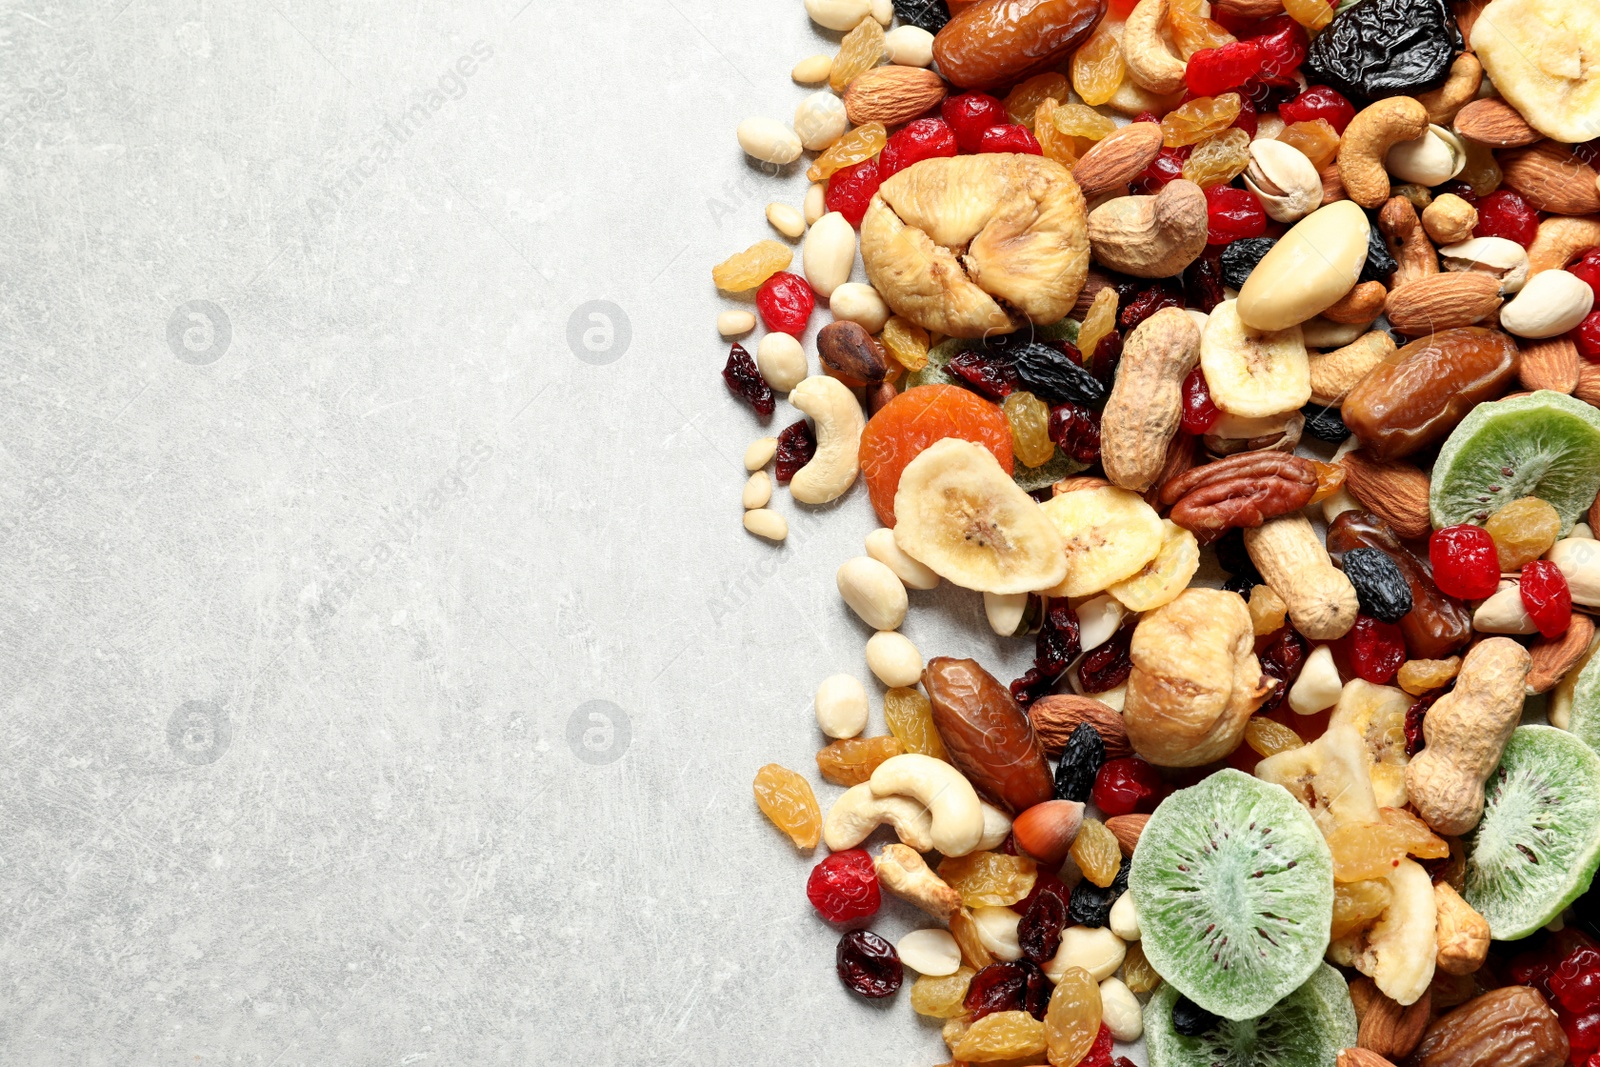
1418 395
995 43
1509 1027
1437 624
988 737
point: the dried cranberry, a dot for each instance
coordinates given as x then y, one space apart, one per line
1099 1054
1039 932
1081 760
868 965
1376 649
1283 659
785 301
850 190
1586 337
1009 138
1249 119
1109 665
1045 883
989 376
1583 1032
796 445
1415 714
1319 102
1166 167
1202 282
1546 597
1107 357
1014 986
1505 214
1465 562
1587 267
1233 214
1148 301
1058 642
1124 784
1576 986
844 886
1076 430
923 139
969 114
746 382
1199 412
1283 44
1216 70
1033 684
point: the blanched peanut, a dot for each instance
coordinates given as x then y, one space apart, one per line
873 592
841 706
820 120
760 453
781 361
859 303
1095 949
816 204
734 323
765 523
881 547
757 491
1120 1010
893 659
829 253
769 140
787 220
909 46
932 952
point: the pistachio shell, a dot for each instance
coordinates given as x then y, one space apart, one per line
1305 273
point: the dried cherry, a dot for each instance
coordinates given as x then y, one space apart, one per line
1587 267
1124 785
1466 563
1239 258
1283 658
1234 214
1009 138
1099 1054
969 115
1108 666
844 886
1319 102
1199 412
1380 587
1166 167
786 301
1376 649
1546 597
1505 214
796 446
915 141
1212 71
1382 48
746 382
1283 43
1148 298
1586 337
868 965
850 190
1039 932
1081 760
1013 986
1076 431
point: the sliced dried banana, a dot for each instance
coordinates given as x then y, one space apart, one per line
1110 535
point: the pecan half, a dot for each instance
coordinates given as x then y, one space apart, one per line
1244 490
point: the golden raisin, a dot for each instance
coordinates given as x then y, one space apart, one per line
851 761
1200 118
1097 67
860 51
953 1029
1192 31
1317 140
1523 530
910 717
1099 321
1267 610
1072 1021
964 928
1357 904
908 344
940 998
748 269
1312 14
1417 676
1482 172
1024 100
1269 738
1137 974
1005 1035
1330 477
1420 841
1054 144
1030 428
1366 850
863 142
1218 160
786 798
990 879
1096 852
1075 120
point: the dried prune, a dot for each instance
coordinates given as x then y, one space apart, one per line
1049 372
1109 665
1013 986
988 737
1380 587
991 377
1385 48
1091 905
796 445
1380 262
1325 424
930 15
1039 932
1282 659
868 965
746 383
1081 760
1203 282
1437 624
1239 258
1190 1019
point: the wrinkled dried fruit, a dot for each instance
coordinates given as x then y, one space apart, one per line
1091 904
1097 853
1081 760
1126 785
1006 1035
988 737
1436 625
1317 140
1075 120
1269 738
1097 68
1023 101
1108 666
796 447
910 718
868 965
1380 586
1099 320
859 51
1039 932
1199 119
1137 974
1386 47
1417 676
1053 143
844 886
1030 428
746 270
917 418
991 45
906 342
1072 1021
989 879
1219 159
1523 530
861 143
744 381
1012 986
1357 904
941 998
851 761
786 798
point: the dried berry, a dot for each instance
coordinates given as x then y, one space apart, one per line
746 382
1234 557
1039 932
1022 103
859 51
1546 597
1523 530
1385 48
863 142
1436 625
1190 1019
868 965
910 718
1219 159
844 886
1380 587
1107 357
1199 118
1233 214
1013 986
1096 852
850 191
1166 167
1200 413
1128 785
1139 304
748 269
1202 283
786 798
1466 563
1505 214
1081 760
940 998
1319 102
1283 658
1054 376
1376 649
1316 140
1009 138
1072 1024
1380 262
1239 258
1058 642
796 445
928 138
1030 428
1268 737
1091 905
1283 44
1108 666
1415 714
1076 430
1216 70
930 15
1098 68
969 114
988 376
851 761
1325 424
785 301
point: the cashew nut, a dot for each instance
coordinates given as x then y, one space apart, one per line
859 811
1151 62
907 876
1366 143
1146 404
1359 306
996 826
951 801
1150 236
1462 934
1407 242
1466 733
1449 219
1293 560
1466 75
1559 239
839 422
1549 305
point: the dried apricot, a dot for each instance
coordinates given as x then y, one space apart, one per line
1269 737
1523 530
748 269
860 144
990 879
851 761
1097 853
1218 160
1023 101
1200 118
917 418
1317 140
910 717
859 51
1097 68
940 998
786 798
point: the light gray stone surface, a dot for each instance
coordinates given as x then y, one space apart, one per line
312 588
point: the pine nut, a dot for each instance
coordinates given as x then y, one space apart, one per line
816 204
769 140
787 220
813 69
760 453
757 491
841 705
768 524
734 323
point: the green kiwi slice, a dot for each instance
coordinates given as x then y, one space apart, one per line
1234 888
1305 1029
1536 849
1545 444
1584 717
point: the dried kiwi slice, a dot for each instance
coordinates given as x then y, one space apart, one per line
1305 1029
1583 717
1538 845
1234 888
1545 444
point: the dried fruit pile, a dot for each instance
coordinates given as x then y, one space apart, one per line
1302 293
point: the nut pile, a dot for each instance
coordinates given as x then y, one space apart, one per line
1298 292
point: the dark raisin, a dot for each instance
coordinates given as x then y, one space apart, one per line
1380 262
1109 665
1012 986
1033 684
930 15
1190 1019
1107 358
1147 301
1233 556
1415 714
1090 905
1282 658
1202 282
1240 257
796 445
1050 373
746 382
1081 760
1241 584
1325 424
868 964
1076 429
1058 642
1382 48
1382 590
1039 932
989 375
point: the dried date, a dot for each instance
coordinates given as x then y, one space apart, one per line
988 737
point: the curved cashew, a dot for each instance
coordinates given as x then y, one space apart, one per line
906 875
949 797
1359 306
1334 374
1407 242
996 825
1466 75
1460 932
1559 239
859 811
1291 557
839 423
1367 141
1150 60
1151 236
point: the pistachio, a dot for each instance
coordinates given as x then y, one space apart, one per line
1306 272
1504 259
1284 179
1553 302
1432 159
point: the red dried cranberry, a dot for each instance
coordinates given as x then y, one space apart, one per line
1505 214
796 445
1058 642
844 886
1199 412
1249 119
868 965
1099 1054
1283 44
1039 932
969 114
1282 658
1202 282
1013 986
1045 883
1076 430
1146 302
1166 167
785 301
1124 784
991 377
1107 357
1216 70
1586 337
1233 214
912 143
850 190
1319 102
1587 267
1465 562
1009 138
1109 665
1376 649
746 382
1546 597
1033 684
1415 714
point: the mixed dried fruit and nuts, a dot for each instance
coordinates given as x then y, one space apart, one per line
1297 291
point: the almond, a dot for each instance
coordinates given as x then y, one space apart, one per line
1057 715
892 95
1588 387
1548 364
1392 1030
1393 490
1362 1057
1554 657
1495 123
1332 184
1552 179
1118 158
1443 302
1251 9
1126 829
